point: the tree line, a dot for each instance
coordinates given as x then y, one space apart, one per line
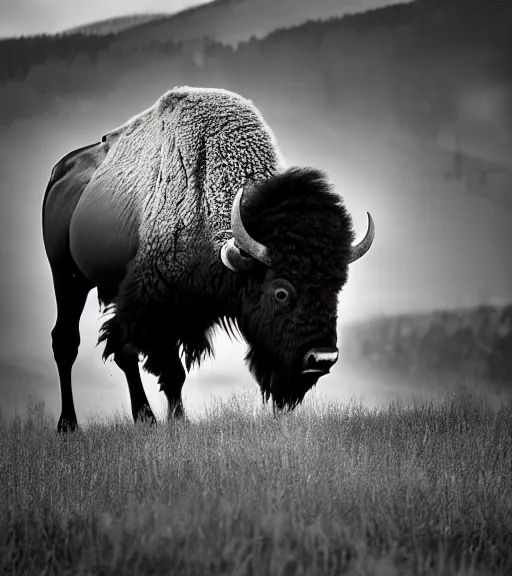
473 343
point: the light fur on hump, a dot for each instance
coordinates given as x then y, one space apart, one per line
180 163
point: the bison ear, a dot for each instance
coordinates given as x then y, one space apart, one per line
233 259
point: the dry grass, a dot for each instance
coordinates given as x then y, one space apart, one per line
418 488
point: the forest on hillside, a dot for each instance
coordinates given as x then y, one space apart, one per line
408 65
472 344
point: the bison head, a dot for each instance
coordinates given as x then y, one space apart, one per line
291 247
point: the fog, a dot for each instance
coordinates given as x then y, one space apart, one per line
438 244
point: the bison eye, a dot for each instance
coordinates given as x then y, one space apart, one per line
281 294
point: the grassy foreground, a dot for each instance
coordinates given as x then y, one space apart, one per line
417 488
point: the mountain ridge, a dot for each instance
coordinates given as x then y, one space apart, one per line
416 79
112 25
234 21
225 21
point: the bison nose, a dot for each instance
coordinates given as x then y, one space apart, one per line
319 360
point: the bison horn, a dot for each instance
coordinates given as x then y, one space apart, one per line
231 254
359 250
242 238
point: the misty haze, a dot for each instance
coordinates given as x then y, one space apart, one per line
407 107
415 132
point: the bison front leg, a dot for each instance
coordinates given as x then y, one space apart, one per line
171 382
171 377
127 358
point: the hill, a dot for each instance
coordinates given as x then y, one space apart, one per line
427 67
234 21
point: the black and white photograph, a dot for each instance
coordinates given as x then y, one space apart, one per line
256 287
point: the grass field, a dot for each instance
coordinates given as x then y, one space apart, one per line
422 487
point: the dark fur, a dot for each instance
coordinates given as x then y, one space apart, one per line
303 222
309 234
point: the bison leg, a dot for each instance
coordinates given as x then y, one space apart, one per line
171 382
71 292
167 366
126 357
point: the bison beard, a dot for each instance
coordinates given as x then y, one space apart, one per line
286 387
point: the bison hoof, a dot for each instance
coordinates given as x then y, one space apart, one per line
176 414
145 416
66 425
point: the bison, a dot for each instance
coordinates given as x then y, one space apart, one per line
186 218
